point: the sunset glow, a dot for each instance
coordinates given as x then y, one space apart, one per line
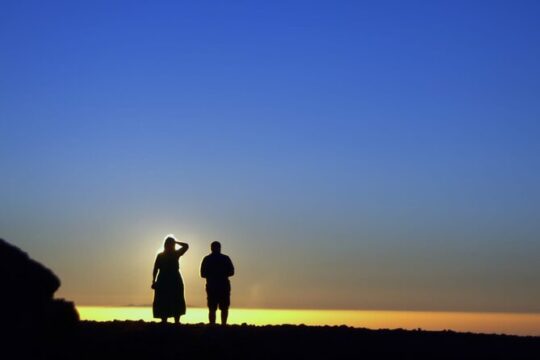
518 324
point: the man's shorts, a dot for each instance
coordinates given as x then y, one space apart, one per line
218 295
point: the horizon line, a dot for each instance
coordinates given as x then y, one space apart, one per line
329 309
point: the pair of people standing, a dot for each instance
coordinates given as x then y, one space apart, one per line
168 285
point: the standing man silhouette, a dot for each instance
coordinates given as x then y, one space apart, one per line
216 269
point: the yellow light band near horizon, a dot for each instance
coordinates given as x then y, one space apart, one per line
504 323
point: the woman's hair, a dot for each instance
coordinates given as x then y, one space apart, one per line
169 240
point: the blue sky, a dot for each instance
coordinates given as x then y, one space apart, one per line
348 154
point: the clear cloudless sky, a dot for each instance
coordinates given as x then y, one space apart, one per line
347 154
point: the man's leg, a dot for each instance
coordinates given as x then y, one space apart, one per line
224 303
212 307
212 315
224 316
212 303
177 319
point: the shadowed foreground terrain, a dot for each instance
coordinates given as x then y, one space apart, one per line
137 340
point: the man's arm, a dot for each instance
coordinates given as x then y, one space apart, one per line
204 270
230 266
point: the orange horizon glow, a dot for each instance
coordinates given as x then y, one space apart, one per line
478 322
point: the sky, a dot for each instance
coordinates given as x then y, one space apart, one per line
347 154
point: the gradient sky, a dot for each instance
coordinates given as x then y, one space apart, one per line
347 154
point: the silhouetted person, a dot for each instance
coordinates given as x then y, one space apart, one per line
169 287
216 269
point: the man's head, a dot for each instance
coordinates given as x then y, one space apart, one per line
215 247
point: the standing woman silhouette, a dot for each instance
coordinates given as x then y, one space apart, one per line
167 282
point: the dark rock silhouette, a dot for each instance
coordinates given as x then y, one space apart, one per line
28 288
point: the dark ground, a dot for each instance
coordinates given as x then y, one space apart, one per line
139 340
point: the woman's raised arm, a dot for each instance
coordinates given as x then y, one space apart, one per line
183 248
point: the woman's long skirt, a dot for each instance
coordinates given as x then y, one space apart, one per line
169 296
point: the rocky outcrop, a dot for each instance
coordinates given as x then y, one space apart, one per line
27 296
